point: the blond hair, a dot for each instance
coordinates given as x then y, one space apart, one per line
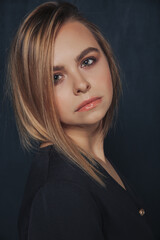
30 69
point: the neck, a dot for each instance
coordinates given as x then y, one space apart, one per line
88 138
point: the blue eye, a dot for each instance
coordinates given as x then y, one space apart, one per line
55 78
89 61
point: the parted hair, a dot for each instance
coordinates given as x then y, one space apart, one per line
30 78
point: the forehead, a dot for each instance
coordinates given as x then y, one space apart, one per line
72 38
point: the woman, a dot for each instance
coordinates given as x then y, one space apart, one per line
65 89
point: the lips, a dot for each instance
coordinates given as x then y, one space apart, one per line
87 102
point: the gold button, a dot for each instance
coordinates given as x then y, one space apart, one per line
141 211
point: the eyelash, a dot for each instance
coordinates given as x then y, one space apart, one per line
89 58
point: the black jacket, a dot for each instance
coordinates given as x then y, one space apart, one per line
61 202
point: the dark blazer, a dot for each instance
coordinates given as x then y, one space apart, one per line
61 202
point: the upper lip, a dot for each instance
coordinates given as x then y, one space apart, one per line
86 102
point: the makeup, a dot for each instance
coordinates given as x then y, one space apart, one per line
90 105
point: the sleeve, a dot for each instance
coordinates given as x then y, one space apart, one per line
64 211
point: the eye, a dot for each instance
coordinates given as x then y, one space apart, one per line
89 61
56 78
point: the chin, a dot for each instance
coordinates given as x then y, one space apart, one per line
94 118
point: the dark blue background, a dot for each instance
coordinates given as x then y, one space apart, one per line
132 27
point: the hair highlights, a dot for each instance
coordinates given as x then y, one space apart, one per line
31 81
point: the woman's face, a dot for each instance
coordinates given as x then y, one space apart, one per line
81 78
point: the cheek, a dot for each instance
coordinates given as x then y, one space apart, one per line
105 79
109 83
62 102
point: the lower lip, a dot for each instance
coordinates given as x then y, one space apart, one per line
90 105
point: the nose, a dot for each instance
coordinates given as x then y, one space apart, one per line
80 84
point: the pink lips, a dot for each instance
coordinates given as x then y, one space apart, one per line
87 102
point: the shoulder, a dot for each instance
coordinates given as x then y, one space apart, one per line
55 186
50 169
61 209
63 193
50 165
56 166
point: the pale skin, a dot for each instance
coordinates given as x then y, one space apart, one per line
78 81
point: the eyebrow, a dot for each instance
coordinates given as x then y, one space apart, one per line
78 58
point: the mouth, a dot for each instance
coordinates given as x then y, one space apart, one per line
89 104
